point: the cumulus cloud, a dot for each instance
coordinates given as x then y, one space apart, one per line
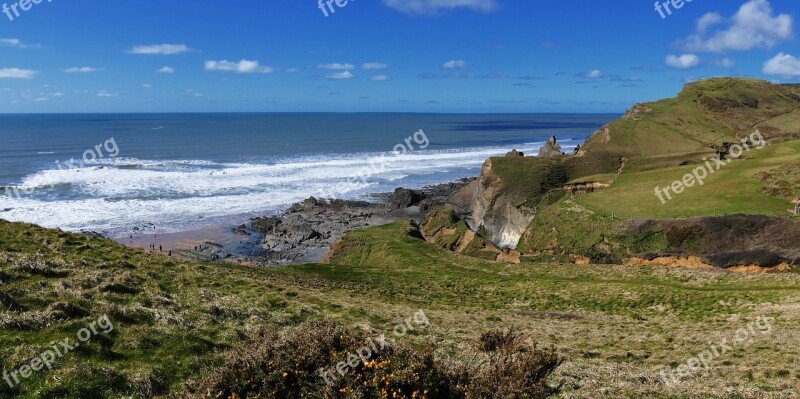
16 73
85 69
337 67
243 66
431 7
685 61
374 65
455 64
160 49
166 69
17 43
104 93
708 20
754 26
785 65
725 63
594 74
340 75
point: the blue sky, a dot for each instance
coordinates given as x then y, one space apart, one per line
381 55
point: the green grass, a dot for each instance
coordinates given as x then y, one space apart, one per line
174 320
731 190
704 113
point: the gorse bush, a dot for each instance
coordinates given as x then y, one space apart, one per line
288 364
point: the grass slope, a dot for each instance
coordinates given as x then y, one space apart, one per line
175 321
733 189
703 114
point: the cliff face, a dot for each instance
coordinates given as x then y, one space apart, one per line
501 215
498 202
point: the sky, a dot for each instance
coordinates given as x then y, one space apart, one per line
473 56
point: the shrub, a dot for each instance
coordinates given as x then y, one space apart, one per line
287 364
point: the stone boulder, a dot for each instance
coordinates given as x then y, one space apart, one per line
405 198
266 225
550 149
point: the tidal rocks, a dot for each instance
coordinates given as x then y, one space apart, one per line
307 230
405 198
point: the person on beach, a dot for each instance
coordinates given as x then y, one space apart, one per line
160 249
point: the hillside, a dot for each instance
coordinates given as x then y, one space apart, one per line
180 327
704 114
621 173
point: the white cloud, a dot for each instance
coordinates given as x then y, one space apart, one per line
685 61
785 65
58 94
103 93
17 43
166 69
707 21
431 7
292 70
41 99
243 66
337 67
82 70
16 73
147 86
340 75
381 78
754 25
455 64
725 63
595 74
160 49
374 65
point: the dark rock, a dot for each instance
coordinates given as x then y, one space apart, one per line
241 230
550 149
426 204
266 225
404 198
515 153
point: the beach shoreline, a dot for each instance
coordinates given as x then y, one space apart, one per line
302 233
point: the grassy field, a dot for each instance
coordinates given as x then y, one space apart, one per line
615 327
732 189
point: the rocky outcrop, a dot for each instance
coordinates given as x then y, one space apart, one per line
515 153
637 109
404 198
500 215
550 149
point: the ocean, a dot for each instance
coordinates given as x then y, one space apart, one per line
111 173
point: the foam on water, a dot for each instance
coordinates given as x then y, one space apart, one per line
116 194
